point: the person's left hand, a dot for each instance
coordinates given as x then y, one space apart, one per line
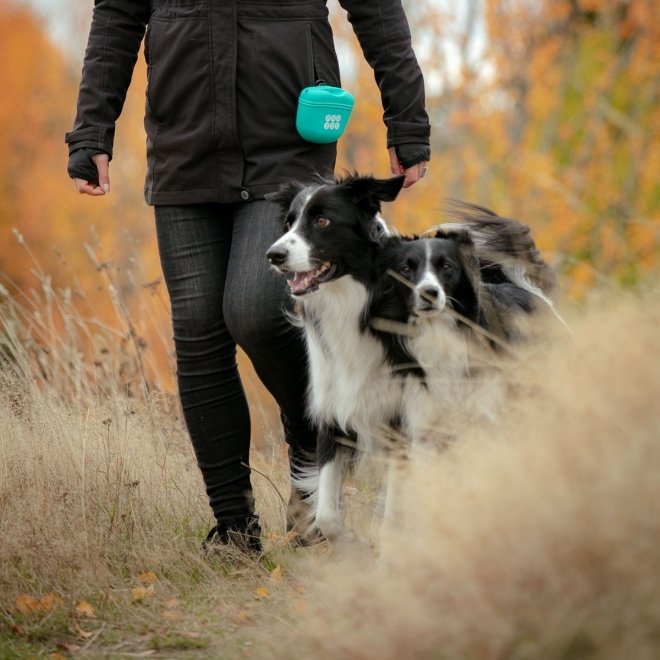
413 173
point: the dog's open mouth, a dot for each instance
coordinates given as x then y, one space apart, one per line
427 311
308 281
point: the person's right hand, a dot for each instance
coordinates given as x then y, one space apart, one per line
102 162
89 170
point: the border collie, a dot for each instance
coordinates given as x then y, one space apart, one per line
446 308
389 320
333 239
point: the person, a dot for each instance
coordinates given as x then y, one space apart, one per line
223 80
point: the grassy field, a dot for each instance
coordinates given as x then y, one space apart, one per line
539 539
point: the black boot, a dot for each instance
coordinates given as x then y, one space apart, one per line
243 534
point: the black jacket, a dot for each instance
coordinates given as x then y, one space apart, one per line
223 83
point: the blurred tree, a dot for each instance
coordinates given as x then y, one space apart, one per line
547 111
46 229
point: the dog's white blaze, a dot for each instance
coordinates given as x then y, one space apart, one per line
429 280
351 385
298 251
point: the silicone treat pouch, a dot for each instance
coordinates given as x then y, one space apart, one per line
323 112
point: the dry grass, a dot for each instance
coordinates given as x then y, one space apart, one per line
541 541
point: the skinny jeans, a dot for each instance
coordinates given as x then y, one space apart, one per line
223 293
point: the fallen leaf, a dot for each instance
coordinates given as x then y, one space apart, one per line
85 609
261 592
138 594
276 574
47 602
148 577
26 604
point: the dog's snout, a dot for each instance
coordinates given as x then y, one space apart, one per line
430 293
277 255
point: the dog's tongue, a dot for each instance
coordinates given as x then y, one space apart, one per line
300 281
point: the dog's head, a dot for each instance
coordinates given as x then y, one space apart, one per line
332 229
424 276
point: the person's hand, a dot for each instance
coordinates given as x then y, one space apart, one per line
413 173
90 173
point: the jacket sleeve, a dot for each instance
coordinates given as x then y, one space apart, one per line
112 49
382 29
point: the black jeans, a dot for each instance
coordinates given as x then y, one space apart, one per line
223 293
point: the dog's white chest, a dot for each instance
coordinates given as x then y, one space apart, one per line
351 384
441 351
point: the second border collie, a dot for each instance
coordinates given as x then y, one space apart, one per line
445 312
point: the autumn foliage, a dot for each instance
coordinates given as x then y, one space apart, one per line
544 111
540 110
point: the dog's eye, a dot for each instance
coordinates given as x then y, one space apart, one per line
322 222
405 269
447 267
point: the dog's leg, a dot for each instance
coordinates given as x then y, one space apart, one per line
335 460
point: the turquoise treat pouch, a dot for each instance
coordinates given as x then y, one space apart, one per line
323 112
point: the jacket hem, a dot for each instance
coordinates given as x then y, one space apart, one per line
206 196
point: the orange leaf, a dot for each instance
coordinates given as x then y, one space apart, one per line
148 577
26 604
47 602
276 574
85 609
261 592
138 594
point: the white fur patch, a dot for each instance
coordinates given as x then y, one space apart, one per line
298 251
451 396
351 384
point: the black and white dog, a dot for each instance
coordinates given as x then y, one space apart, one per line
446 304
389 321
331 247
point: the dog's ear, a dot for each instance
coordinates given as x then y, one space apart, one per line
368 192
286 194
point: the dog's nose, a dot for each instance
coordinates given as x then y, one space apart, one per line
430 293
277 255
